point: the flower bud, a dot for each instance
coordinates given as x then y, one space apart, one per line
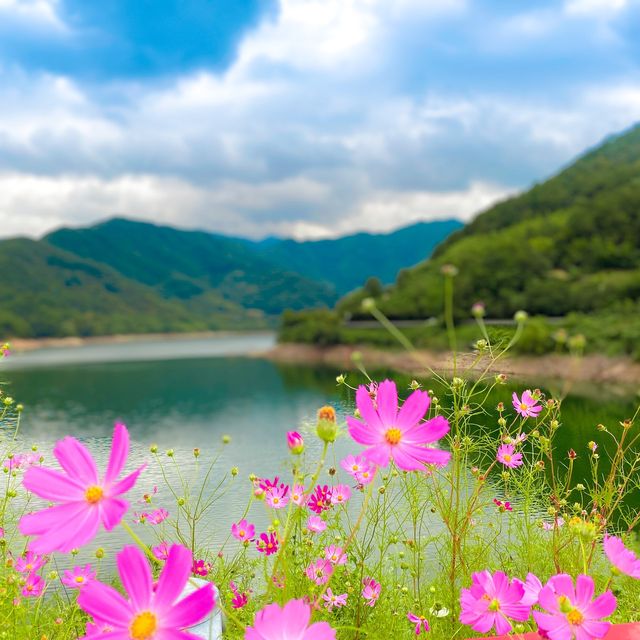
368 304
153 448
196 453
478 310
326 428
234 471
295 442
521 316
99 553
226 439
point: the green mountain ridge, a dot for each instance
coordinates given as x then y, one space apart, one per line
126 276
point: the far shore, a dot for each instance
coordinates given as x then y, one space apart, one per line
598 369
30 344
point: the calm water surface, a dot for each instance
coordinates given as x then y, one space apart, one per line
187 393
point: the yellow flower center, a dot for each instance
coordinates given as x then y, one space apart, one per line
575 617
355 467
393 436
494 605
334 557
79 579
93 495
276 500
242 533
143 626
524 406
28 567
507 457
327 413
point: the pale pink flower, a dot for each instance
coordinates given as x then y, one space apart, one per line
151 611
493 601
333 600
297 495
33 587
158 516
340 494
271 622
556 524
84 501
572 612
527 406
507 456
366 477
276 497
319 571
532 587
371 591
620 557
316 524
335 555
354 465
30 562
78 577
420 622
243 531
396 434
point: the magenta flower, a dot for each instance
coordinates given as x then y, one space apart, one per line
272 622
297 495
200 568
340 494
158 516
276 497
371 591
33 586
97 629
243 531
316 524
30 562
573 613
532 587
267 544
239 599
492 601
319 571
320 500
507 457
295 442
335 555
527 406
161 551
333 600
78 577
419 621
84 501
398 435
620 557
149 613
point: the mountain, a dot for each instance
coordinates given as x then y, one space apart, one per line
125 276
571 243
347 262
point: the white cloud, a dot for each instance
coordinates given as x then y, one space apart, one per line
33 14
595 7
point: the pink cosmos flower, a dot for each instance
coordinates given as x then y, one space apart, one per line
297 495
371 591
532 587
272 622
21 461
200 568
556 524
354 465
30 562
157 516
147 498
502 506
316 524
333 600
84 501
161 551
507 457
319 571
276 497
335 555
620 557
243 531
33 587
492 601
148 613
340 494
97 629
320 500
398 435
267 544
573 613
239 599
295 442
527 406
78 577
366 477
419 621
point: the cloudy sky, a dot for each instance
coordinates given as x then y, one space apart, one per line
302 118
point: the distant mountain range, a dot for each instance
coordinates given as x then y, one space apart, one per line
571 243
125 276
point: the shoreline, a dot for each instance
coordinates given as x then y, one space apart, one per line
20 345
592 368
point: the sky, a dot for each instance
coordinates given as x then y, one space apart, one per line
300 118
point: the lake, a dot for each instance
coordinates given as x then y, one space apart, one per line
185 393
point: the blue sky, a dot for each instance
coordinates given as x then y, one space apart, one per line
303 118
